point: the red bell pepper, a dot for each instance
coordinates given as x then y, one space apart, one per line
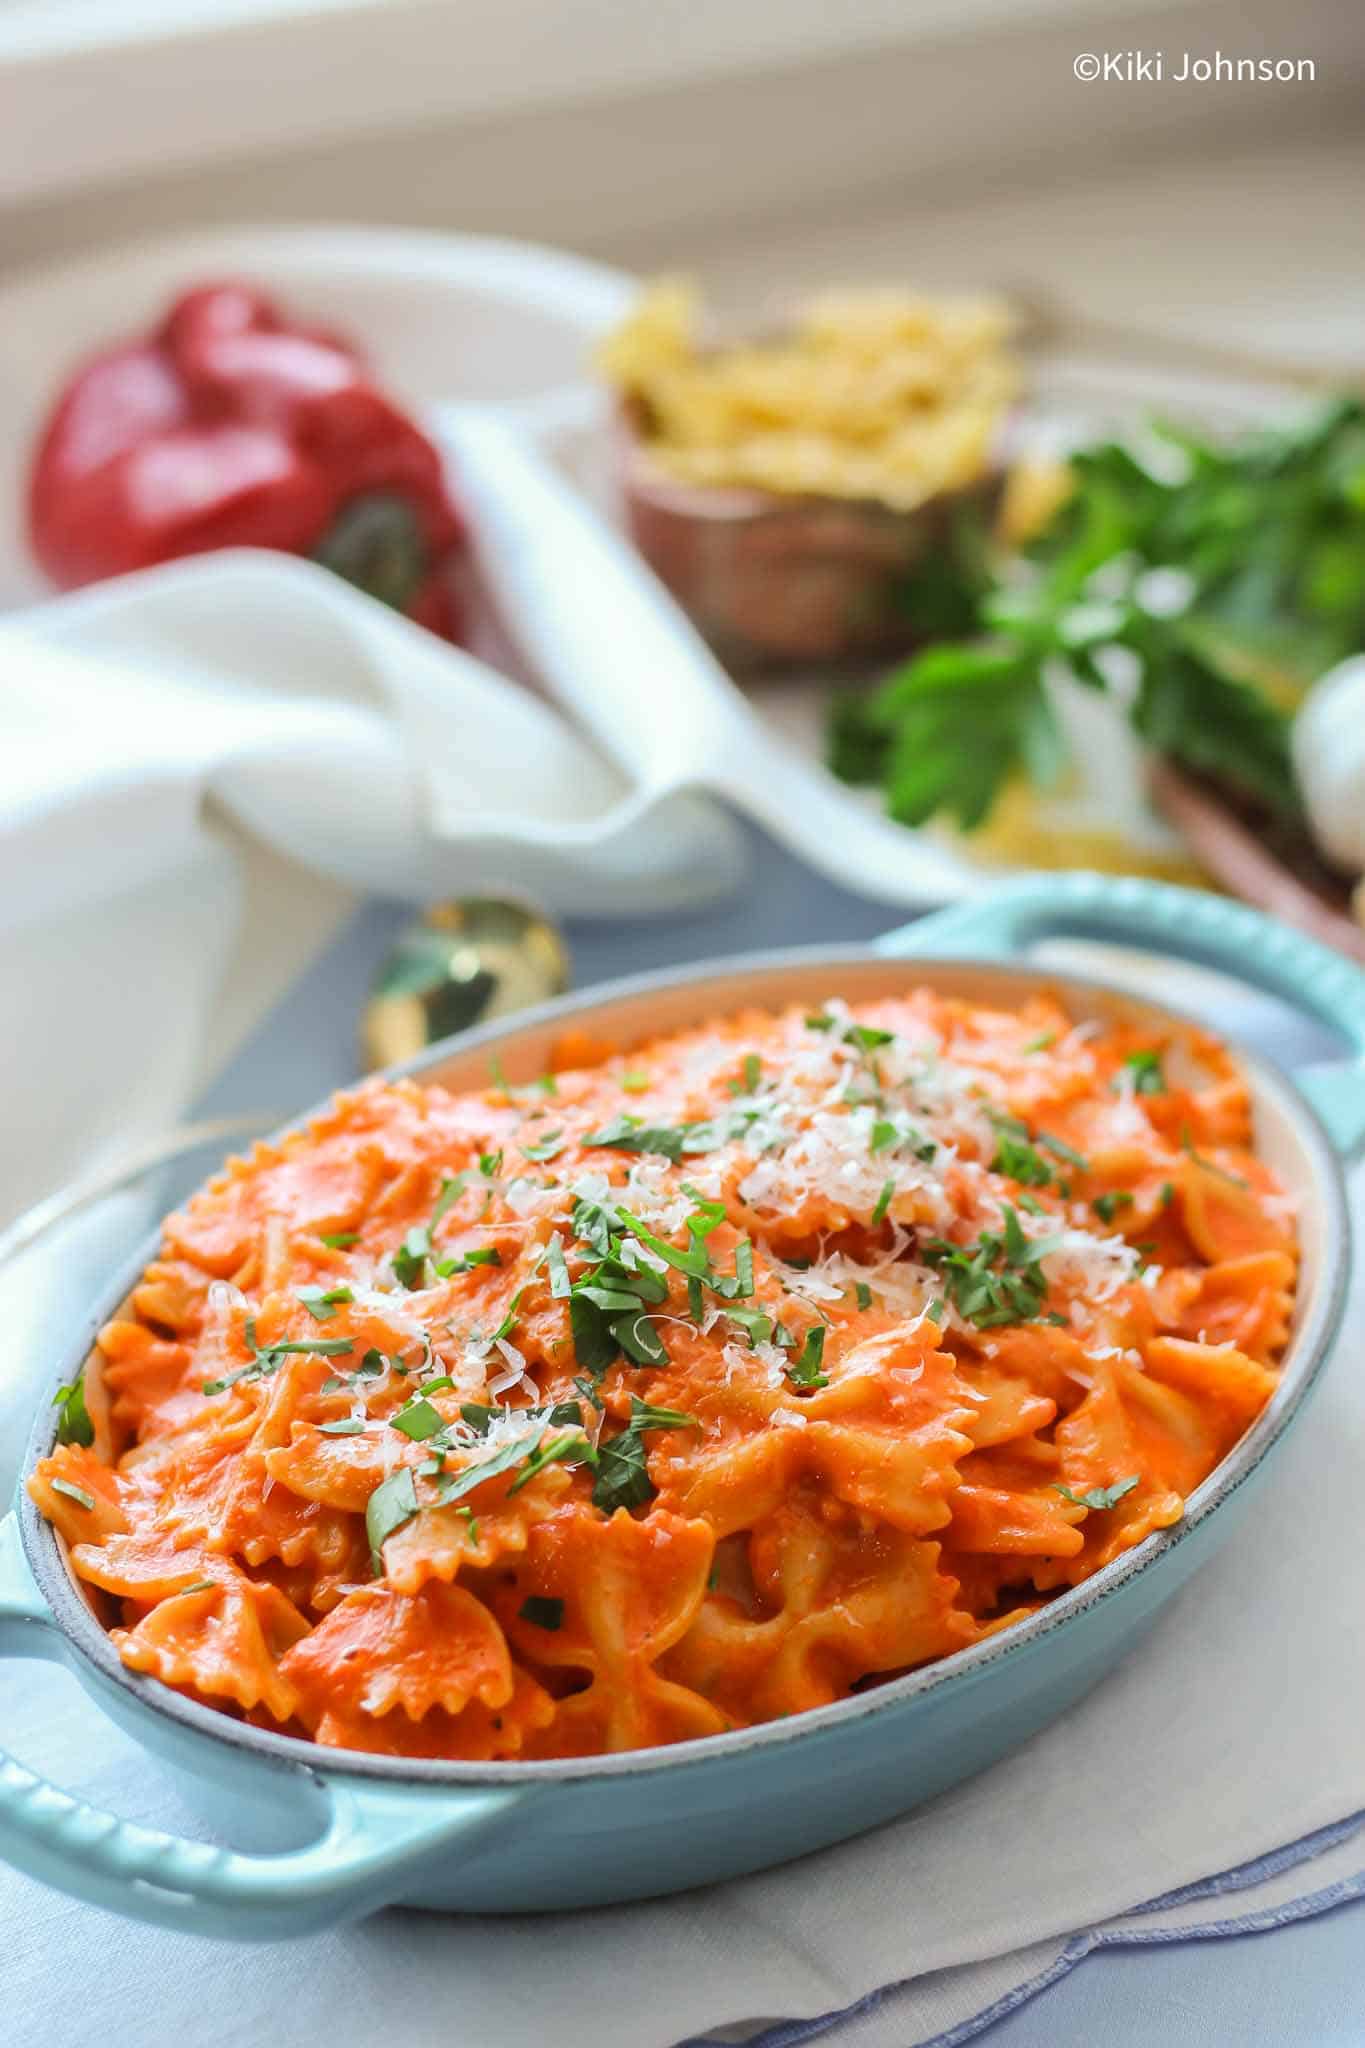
231 426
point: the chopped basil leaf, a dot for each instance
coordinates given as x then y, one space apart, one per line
1167 1193
73 1492
390 1507
560 1283
696 1305
418 1420
490 1164
1059 1149
996 1280
695 1260
821 1020
866 1037
1041 1043
805 1370
1030 1202
410 1260
199 1586
594 1346
575 1450
936 1309
757 1327
350 1425
549 1145
322 1306
455 1484
884 1133
468 1262
1100 1497
883 1202
623 1479
639 1338
542 1612
753 1072
1145 1069
635 1084
592 1224
1106 1206
340 1240
73 1423
590 1394
629 1134
863 1294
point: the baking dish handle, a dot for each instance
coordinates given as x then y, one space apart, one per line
376 1839
1003 923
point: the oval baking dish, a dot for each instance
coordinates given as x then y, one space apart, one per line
349 1833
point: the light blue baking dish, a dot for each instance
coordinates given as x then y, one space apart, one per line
337 1835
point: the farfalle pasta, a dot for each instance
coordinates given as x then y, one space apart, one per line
681 1390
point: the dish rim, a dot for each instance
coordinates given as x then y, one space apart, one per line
1304 1360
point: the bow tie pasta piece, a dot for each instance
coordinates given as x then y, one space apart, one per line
829 1600
381 1652
221 1640
602 1601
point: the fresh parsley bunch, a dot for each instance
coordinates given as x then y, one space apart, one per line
1204 587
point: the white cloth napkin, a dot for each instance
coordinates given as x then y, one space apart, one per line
200 764
1233 1730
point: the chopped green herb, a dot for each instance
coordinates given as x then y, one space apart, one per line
1031 1203
1042 1043
629 1134
936 1309
1059 1149
451 1188
862 1294
349 1425
340 1240
757 1327
590 1394
265 1361
73 1492
883 1202
623 1479
639 1338
418 1420
820 1020
635 1084
560 1283
997 1280
73 1423
472 1528
410 1260
1099 1497
884 1133
1107 1206
867 1037
490 1164
573 1450
542 1612
805 1370
549 1145
322 1306
1020 1161
468 1262
1145 1069
199 1586
753 1072
392 1504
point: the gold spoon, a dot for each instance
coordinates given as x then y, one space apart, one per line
459 964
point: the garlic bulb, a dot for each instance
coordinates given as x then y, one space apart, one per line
1328 746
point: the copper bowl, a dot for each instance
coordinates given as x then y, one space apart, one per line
769 578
